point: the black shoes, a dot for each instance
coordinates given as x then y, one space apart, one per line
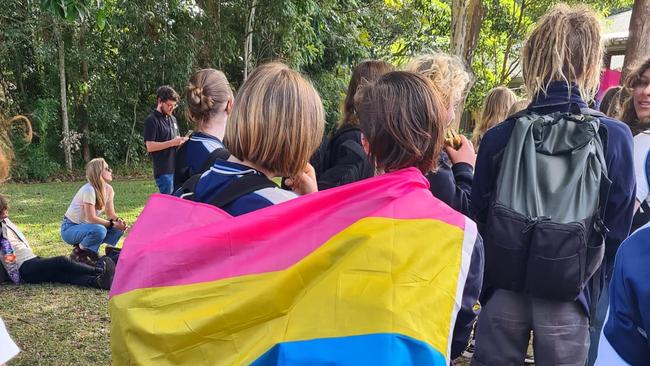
106 269
85 256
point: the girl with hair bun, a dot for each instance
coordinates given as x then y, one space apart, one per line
82 225
276 125
209 100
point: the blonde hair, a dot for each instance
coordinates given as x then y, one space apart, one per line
518 106
495 109
447 73
628 112
6 147
207 93
566 45
94 170
277 121
365 72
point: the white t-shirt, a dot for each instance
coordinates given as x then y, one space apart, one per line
641 150
85 194
8 348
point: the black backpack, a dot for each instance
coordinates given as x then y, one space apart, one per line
545 232
348 164
182 172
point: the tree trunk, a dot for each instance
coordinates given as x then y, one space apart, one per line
466 22
248 45
64 100
637 48
83 110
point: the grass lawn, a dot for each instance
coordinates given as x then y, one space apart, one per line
57 324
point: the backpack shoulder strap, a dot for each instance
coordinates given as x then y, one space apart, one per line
219 153
240 187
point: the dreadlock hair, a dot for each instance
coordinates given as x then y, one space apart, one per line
495 109
628 114
566 45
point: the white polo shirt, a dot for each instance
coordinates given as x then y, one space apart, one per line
641 150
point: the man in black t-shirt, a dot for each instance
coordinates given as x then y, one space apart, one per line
162 138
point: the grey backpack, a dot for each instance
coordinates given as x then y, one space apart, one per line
545 231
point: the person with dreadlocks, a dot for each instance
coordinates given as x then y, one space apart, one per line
561 68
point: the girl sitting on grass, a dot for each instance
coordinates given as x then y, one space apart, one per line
82 225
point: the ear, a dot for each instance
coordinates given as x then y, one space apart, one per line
229 105
365 144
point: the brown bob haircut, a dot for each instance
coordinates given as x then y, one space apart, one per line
277 121
402 118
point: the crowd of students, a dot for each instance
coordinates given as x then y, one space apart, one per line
273 128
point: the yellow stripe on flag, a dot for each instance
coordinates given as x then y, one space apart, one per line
379 275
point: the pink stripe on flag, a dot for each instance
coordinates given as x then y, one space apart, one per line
272 239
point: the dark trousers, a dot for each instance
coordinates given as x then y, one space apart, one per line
58 269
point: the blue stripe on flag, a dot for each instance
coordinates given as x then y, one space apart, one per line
371 349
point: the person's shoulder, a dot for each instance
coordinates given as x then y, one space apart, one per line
636 245
616 129
496 137
275 195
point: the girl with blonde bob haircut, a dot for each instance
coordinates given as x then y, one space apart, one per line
451 182
495 109
561 62
276 125
82 225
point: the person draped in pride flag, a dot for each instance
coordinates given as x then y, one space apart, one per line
377 272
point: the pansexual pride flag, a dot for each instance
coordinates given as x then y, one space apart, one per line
371 273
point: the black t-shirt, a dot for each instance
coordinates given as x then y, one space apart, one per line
161 128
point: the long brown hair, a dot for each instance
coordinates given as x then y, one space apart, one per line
94 170
403 118
495 109
628 114
565 45
366 72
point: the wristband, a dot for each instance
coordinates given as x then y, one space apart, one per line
111 223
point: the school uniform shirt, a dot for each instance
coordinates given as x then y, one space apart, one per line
222 173
618 158
161 128
18 242
624 338
641 150
85 194
8 348
452 184
196 151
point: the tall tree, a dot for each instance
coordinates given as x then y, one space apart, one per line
638 41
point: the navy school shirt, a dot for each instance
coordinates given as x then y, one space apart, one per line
223 173
161 128
452 184
618 157
624 339
196 151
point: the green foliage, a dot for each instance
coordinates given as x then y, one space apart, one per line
118 52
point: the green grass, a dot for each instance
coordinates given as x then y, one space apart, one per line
59 324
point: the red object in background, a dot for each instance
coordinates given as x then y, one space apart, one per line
608 79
